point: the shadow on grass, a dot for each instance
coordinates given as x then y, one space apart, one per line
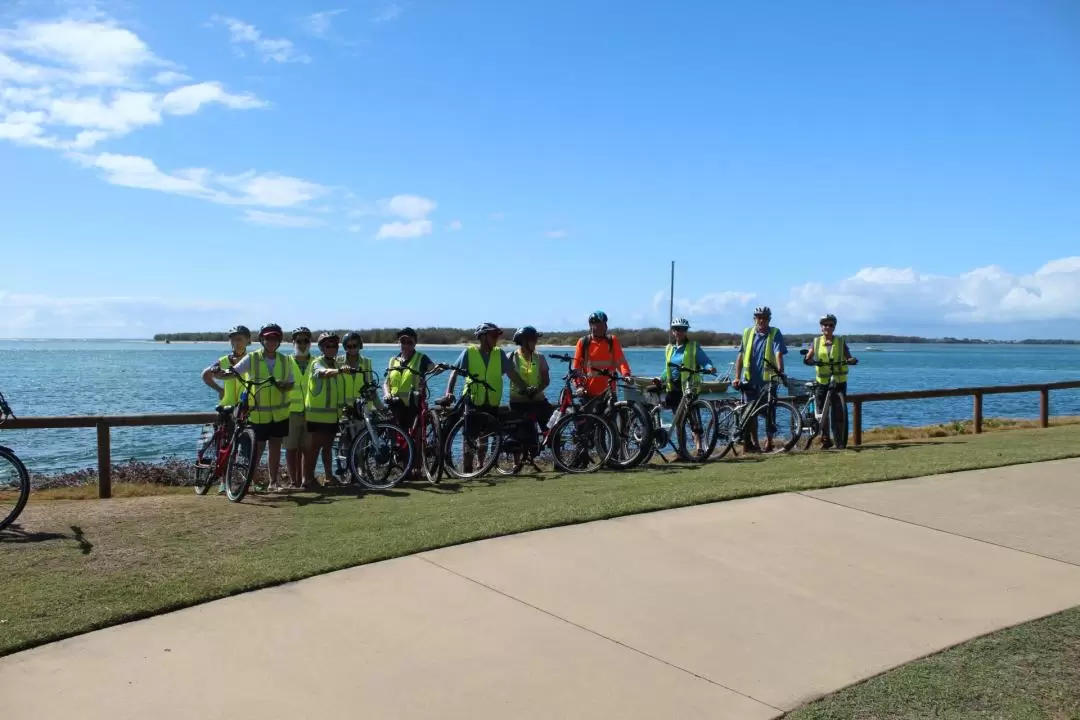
84 545
901 444
15 534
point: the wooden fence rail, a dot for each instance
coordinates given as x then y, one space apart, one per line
103 423
977 393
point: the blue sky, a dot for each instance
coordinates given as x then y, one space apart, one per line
912 167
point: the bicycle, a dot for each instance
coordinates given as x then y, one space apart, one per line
694 419
380 453
524 440
233 442
833 413
484 428
628 418
425 430
14 479
740 420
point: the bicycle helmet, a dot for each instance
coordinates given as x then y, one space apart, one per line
406 332
352 336
269 330
763 310
301 331
239 330
323 337
526 333
680 324
485 328
828 319
597 316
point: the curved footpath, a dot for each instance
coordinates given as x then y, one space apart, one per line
740 609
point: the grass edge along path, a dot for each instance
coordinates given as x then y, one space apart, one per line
1027 671
77 566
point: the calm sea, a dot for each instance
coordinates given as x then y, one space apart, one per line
65 377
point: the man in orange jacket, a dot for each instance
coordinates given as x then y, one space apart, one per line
598 350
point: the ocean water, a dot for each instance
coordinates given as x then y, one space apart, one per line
106 377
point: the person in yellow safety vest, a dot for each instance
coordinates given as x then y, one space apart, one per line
835 356
322 407
297 441
533 369
761 356
239 339
399 383
356 372
270 402
687 354
489 363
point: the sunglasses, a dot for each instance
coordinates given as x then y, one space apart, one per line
828 325
329 345
407 341
350 346
302 341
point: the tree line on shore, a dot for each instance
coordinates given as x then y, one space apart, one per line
644 337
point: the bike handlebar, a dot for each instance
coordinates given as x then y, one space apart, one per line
561 356
683 368
5 409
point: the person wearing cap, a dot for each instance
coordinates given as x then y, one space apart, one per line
297 440
687 353
761 357
486 361
533 369
269 402
322 408
599 351
239 339
401 379
355 373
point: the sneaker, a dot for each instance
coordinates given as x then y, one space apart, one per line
826 443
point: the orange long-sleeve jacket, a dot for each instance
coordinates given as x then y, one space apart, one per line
605 353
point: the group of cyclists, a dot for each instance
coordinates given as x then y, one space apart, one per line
296 399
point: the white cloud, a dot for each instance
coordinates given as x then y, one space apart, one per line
70 83
713 304
188 99
266 189
318 24
170 77
410 207
387 13
243 34
260 217
985 295
556 234
41 316
398 229
455 225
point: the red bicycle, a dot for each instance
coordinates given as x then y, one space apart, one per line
229 450
425 432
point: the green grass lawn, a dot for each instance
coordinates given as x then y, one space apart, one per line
76 565
1029 672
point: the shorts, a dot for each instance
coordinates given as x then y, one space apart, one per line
542 409
481 419
672 400
271 430
298 434
404 415
320 428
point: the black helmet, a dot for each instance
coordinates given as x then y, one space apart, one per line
352 336
828 319
301 331
239 330
526 333
763 310
270 329
406 332
485 328
597 316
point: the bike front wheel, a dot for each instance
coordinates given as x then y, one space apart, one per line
381 458
206 464
430 449
472 445
838 420
695 432
782 424
14 487
581 443
633 435
241 466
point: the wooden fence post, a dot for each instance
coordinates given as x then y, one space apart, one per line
977 414
104 460
1044 407
856 422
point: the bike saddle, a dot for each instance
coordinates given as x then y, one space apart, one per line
224 409
444 401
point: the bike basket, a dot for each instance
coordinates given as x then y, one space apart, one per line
713 387
799 387
637 392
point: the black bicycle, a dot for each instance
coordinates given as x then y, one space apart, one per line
740 421
14 479
832 413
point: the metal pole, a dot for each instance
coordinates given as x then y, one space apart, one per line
671 303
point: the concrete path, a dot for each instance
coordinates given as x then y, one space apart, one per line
742 609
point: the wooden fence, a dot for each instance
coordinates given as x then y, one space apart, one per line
103 423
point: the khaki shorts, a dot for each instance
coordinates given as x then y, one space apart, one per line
297 438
